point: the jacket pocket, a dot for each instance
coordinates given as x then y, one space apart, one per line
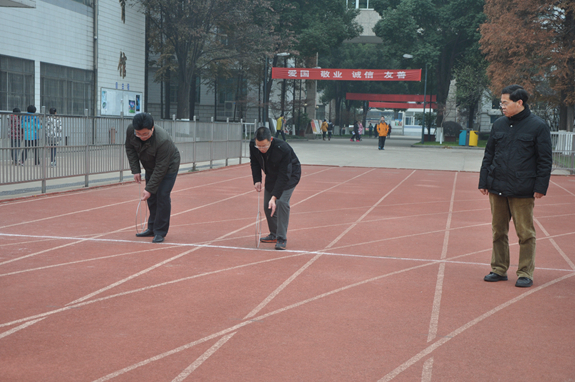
525 183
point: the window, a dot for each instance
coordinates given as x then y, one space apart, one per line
358 4
69 90
16 83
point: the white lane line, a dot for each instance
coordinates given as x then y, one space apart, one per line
563 188
565 257
434 321
427 370
85 260
18 328
190 369
49 313
443 340
250 321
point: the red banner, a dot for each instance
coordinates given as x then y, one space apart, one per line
389 97
347 74
401 105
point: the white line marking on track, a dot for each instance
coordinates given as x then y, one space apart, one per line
554 243
190 369
563 188
427 370
23 326
434 321
443 340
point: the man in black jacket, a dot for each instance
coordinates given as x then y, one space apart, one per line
152 146
515 171
283 171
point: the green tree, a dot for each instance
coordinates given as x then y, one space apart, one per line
435 32
471 84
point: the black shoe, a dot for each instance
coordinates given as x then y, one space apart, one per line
281 244
158 239
268 239
524 282
494 277
146 233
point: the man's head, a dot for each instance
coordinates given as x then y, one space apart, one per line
52 110
513 100
382 120
263 139
16 110
31 109
143 124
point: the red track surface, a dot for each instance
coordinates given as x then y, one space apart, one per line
382 280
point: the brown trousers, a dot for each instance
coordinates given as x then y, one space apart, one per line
521 210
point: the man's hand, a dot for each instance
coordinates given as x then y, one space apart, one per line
138 178
484 191
272 205
145 195
538 195
258 186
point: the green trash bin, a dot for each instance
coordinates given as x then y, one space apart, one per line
473 138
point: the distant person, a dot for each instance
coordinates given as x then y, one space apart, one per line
370 129
280 127
355 133
31 125
153 147
16 135
382 129
360 129
329 130
283 171
53 134
324 127
515 171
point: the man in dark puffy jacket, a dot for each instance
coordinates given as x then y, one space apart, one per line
515 171
283 171
152 146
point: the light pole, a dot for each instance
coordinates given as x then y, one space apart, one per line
424 100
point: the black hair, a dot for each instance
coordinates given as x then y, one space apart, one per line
52 110
16 110
143 121
31 109
516 93
263 134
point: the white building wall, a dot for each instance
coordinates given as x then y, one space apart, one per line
114 37
57 32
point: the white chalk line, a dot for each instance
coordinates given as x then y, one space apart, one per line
427 370
190 369
18 328
250 321
563 188
143 289
554 243
443 340
434 321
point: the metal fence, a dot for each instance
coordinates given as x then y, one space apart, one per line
563 150
95 145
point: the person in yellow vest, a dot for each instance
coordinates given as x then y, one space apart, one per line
382 129
280 127
324 128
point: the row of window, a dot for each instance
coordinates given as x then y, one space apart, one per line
359 4
69 90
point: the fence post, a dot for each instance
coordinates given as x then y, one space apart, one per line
212 144
121 149
194 146
241 138
227 138
41 139
174 128
86 149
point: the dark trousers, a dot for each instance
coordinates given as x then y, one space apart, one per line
15 142
278 224
282 132
160 205
31 143
381 142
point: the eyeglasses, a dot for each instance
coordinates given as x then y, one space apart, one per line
505 103
263 147
146 135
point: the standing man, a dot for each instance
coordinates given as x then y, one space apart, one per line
515 171
382 129
152 146
31 127
280 127
283 171
324 127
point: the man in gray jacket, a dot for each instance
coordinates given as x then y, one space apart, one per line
152 146
515 171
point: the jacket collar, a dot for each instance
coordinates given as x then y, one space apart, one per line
520 116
